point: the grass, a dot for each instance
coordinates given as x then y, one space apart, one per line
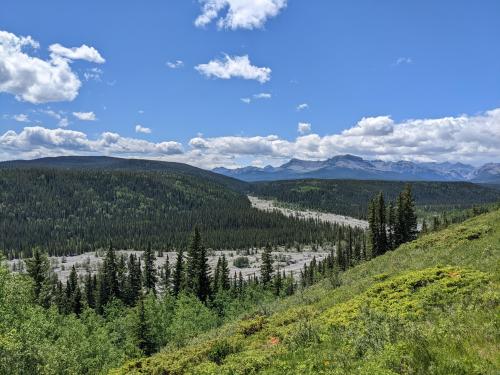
429 307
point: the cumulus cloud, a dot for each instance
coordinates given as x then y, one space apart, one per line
302 106
36 80
85 116
234 67
304 127
83 52
142 129
471 139
239 14
246 100
39 141
175 64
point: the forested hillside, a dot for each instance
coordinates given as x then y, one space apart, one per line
72 211
350 197
428 307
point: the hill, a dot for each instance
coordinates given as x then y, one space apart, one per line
350 197
429 307
355 167
120 164
70 210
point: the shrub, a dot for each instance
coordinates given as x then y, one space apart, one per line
241 262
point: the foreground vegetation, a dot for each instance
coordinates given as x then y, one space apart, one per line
351 197
429 307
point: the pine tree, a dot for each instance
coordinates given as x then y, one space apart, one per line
410 216
216 278
150 272
278 283
224 274
192 262
166 276
108 280
266 268
382 247
143 330
134 280
203 276
178 277
38 268
89 290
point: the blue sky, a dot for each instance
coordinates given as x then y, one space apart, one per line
416 80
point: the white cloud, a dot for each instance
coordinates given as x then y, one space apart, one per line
142 129
175 64
85 116
63 123
470 139
22 117
246 100
302 106
35 80
263 95
403 60
38 141
83 52
304 127
240 14
234 67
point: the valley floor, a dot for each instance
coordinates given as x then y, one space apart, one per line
269 205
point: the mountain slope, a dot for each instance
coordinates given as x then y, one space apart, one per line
400 313
70 211
350 197
397 314
354 167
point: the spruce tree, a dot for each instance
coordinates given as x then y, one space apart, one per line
166 276
266 267
224 274
134 280
178 277
143 330
192 261
89 290
203 276
150 272
38 268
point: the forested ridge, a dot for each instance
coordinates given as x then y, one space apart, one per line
351 197
70 211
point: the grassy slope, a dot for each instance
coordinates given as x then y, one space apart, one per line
429 307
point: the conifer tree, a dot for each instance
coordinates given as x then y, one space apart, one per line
266 267
391 227
166 276
203 276
150 272
143 330
278 283
224 274
38 268
216 278
178 277
193 262
89 290
134 280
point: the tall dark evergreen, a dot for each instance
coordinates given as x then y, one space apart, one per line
134 280
150 272
224 274
266 267
377 222
108 280
193 262
143 330
38 269
166 276
178 276
203 276
90 290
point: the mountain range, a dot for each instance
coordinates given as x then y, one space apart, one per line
355 167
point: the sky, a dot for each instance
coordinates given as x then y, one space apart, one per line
251 82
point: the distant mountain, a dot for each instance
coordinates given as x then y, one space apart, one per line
355 167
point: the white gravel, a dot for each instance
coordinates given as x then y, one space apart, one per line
269 205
